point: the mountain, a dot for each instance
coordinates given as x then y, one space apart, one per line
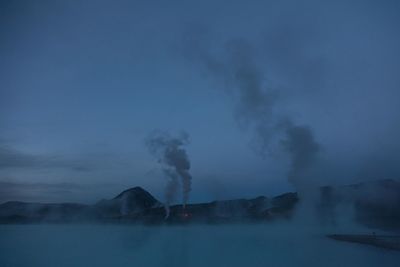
131 201
374 204
138 205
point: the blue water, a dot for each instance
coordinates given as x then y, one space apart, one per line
195 245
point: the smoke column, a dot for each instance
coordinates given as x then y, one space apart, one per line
255 103
170 152
303 149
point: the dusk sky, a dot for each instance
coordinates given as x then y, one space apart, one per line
84 83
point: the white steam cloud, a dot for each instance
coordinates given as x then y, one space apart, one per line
170 153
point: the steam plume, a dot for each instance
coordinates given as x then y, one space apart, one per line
303 149
256 103
169 152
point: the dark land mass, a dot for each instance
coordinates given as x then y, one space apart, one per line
382 241
375 204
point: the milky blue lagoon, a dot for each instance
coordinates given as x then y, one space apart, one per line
190 245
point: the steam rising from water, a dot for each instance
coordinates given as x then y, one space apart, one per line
169 151
303 149
256 102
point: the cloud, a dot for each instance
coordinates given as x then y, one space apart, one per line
12 191
57 192
11 158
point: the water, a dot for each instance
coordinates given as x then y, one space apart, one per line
194 245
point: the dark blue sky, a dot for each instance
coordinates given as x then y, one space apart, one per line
84 82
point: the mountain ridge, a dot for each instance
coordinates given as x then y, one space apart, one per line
375 204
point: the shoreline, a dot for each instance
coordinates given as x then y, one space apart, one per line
391 242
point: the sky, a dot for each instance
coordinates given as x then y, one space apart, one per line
84 83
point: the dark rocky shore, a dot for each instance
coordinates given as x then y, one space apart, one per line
382 241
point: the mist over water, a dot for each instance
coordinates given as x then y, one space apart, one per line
283 244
